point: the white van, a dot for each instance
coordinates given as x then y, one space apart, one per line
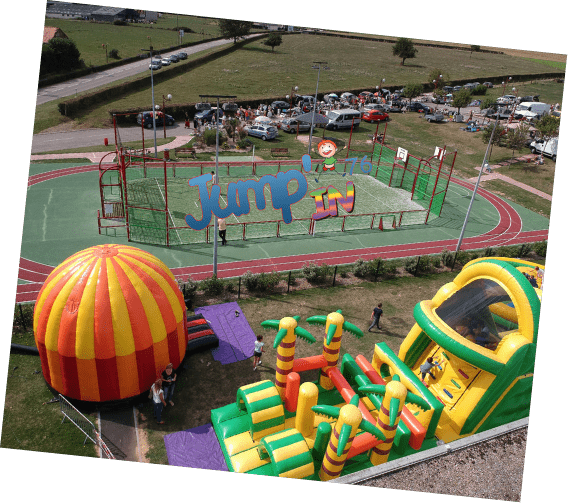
529 110
545 148
343 118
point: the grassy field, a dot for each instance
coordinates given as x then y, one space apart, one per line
89 37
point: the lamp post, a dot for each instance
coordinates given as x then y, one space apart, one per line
216 179
435 82
378 88
164 98
505 84
289 97
317 66
153 104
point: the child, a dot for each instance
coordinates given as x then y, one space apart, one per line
258 350
426 367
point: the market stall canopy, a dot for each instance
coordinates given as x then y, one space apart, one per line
317 118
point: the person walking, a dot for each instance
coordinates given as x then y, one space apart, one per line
169 383
258 350
376 316
157 394
222 231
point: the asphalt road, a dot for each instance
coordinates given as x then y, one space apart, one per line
49 142
94 80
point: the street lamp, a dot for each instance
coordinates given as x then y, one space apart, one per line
435 82
164 98
216 179
153 104
505 85
378 88
290 97
316 66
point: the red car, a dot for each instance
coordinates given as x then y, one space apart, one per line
375 116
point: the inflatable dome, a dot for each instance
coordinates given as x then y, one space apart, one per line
108 320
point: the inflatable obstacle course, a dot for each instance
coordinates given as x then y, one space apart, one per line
360 414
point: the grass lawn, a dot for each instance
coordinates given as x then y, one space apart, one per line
89 37
519 196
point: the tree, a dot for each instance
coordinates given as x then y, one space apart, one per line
59 55
412 91
462 98
547 128
404 48
517 137
230 28
498 137
273 40
474 48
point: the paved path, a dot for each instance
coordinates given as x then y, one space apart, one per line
96 157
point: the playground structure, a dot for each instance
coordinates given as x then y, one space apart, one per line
480 331
138 193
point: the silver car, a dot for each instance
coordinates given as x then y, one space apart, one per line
292 125
261 131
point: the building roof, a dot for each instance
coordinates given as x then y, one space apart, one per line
51 31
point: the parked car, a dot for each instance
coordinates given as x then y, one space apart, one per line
343 118
394 108
448 89
374 106
375 116
149 122
508 99
262 131
456 88
282 105
488 84
208 115
415 106
173 58
291 125
154 65
182 55
434 117
166 62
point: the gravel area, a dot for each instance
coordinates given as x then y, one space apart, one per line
493 470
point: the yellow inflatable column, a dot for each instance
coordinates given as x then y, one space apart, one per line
340 442
331 346
308 397
387 421
285 354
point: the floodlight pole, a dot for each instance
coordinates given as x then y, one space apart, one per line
216 179
475 189
318 63
153 105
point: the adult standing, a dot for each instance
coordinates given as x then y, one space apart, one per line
169 383
158 399
376 316
222 231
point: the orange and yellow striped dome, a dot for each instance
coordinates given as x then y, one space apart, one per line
108 320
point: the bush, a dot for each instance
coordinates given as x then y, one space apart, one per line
210 135
261 282
120 22
419 265
524 250
316 274
189 289
23 318
479 90
212 286
389 269
447 258
113 54
361 268
540 248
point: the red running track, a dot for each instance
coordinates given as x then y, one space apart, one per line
507 231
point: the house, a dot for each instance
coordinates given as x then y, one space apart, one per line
66 10
111 14
50 32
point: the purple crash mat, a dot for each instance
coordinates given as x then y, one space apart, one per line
236 337
195 448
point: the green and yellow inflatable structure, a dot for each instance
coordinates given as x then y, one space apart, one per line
465 367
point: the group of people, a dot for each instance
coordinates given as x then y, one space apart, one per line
477 331
162 391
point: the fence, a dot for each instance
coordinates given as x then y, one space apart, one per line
86 426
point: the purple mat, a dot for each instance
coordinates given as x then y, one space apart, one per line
236 337
195 448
